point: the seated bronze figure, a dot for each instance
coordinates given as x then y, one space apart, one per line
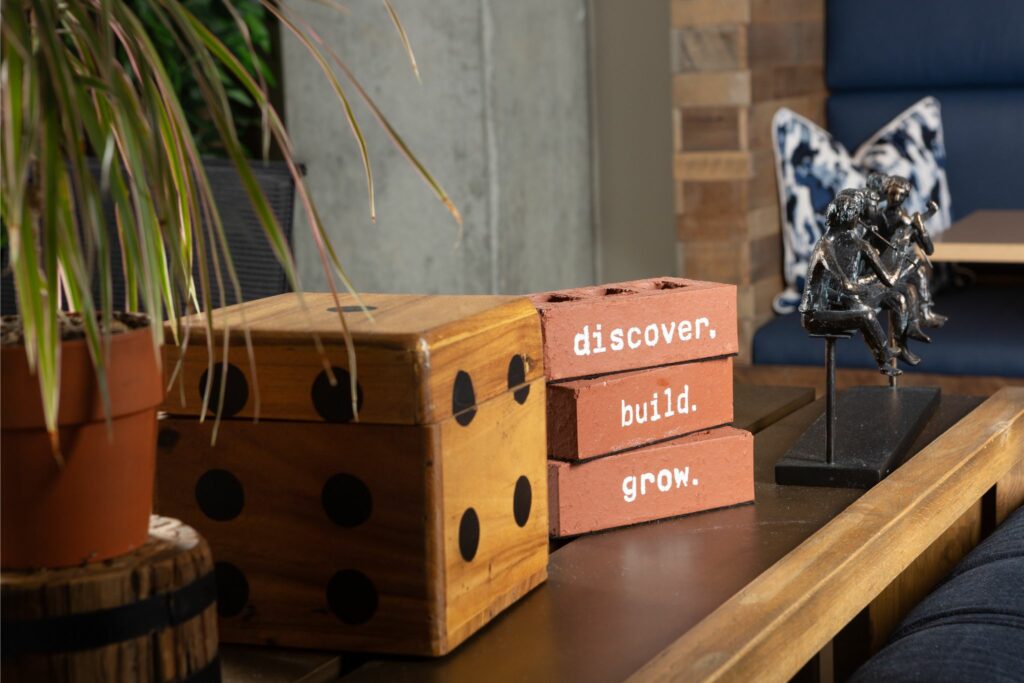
871 259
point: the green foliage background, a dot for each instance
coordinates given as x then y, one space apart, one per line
215 16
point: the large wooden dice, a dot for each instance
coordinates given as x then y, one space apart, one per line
402 538
419 358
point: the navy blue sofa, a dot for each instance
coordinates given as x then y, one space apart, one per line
971 628
884 55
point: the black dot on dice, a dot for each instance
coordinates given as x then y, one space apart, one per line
351 309
167 438
232 589
236 391
334 404
522 499
516 376
352 597
346 500
463 398
469 534
220 495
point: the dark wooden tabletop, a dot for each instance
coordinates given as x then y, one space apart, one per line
616 599
755 409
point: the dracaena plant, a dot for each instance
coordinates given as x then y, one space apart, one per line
82 80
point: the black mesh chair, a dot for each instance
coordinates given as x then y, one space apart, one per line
259 273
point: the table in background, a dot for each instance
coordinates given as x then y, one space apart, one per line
983 237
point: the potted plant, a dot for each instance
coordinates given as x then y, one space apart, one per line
82 82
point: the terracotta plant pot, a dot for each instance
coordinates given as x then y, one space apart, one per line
98 504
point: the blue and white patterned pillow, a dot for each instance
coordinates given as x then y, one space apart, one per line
811 168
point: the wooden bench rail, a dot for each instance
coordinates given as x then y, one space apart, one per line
771 628
814 376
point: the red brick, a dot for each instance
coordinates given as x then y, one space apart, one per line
592 417
633 325
692 473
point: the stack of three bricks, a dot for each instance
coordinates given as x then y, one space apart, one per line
639 398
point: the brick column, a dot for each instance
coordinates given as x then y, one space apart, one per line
735 62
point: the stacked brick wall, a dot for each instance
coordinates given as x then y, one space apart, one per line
735 62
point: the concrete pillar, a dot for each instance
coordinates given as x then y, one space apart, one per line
502 119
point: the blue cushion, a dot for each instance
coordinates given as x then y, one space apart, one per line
811 168
951 653
971 628
1006 542
984 135
878 44
983 337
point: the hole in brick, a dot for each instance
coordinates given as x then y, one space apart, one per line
236 393
617 291
352 597
559 298
220 495
469 534
346 500
232 589
334 404
668 284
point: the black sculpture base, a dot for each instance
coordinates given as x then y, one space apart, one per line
875 426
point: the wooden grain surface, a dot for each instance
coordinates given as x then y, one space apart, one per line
983 237
709 12
615 600
418 480
173 557
756 408
813 376
759 407
408 354
775 624
735 63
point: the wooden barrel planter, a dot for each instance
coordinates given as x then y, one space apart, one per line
148 616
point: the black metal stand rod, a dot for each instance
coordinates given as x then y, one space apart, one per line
830 399
893 381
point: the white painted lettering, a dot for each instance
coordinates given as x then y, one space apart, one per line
682 476
598 341
683 400
629 337
591 339
629 488
651 335
616 339
636 486
627 414
581 344
655 416
640 420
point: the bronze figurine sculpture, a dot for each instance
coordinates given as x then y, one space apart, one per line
873 257
868 260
